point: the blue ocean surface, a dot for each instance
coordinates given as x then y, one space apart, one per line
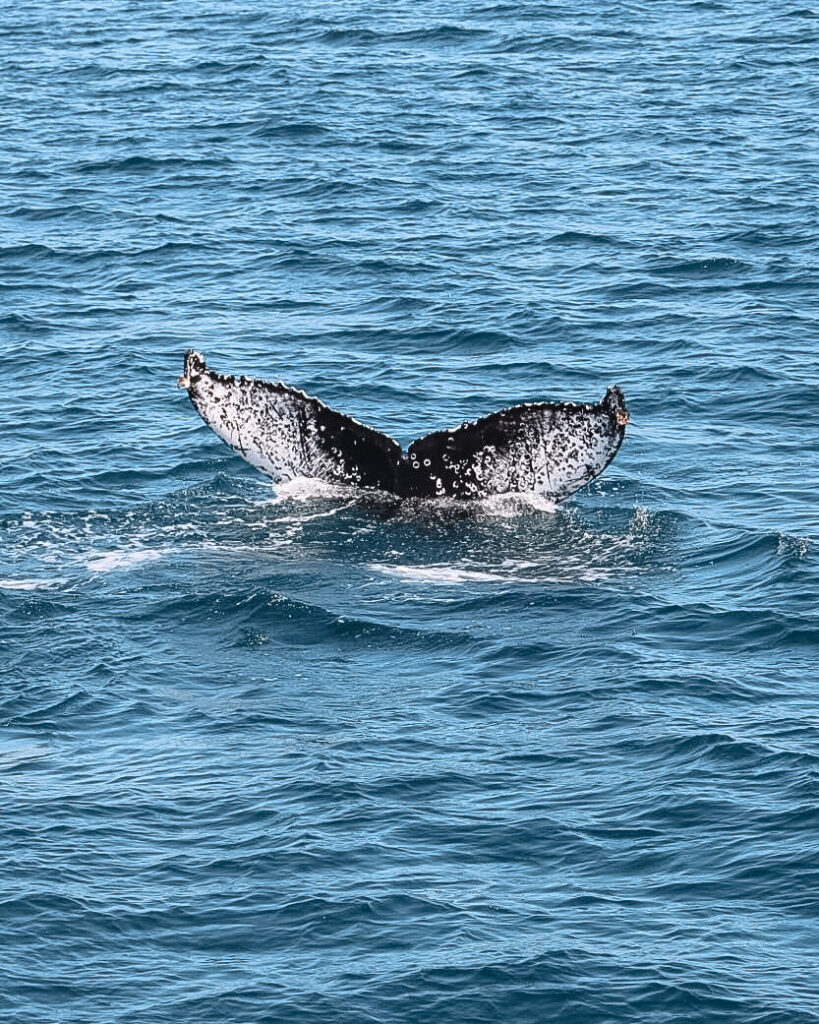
305 757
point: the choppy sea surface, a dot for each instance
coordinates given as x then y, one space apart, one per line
307 757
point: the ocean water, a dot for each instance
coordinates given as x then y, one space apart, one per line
309 757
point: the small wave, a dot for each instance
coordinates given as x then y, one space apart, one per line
219 66
711 265
57 212
484 701
25 322
586 238
250 619
766 237
521 44
465 340
291 130
436 34
27 249
148 164
417 206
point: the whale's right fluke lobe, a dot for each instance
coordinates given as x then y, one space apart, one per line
547 448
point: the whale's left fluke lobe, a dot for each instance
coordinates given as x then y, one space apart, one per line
288 434
548 449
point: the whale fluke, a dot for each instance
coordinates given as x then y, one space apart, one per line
550 449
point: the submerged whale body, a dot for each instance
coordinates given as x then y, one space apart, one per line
549 449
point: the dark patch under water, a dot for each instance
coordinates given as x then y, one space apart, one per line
328 758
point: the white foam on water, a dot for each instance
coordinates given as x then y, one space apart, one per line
30 584
790 545
439 574
507 506
108 561
316 515
257 549
512 572
306 488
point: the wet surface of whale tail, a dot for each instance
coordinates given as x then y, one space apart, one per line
547 449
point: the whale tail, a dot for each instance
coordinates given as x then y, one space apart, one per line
547 448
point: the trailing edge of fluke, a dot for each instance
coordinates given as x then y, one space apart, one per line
548 449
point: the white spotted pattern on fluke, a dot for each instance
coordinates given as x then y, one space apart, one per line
549 449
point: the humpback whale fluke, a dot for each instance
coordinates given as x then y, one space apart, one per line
550 449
